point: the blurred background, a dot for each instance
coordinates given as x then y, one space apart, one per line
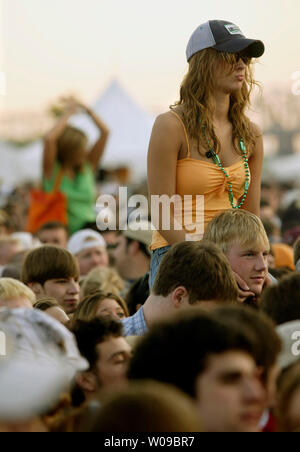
126 60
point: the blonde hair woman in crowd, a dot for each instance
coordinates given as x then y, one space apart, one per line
206 145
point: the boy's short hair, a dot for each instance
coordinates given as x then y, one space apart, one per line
89 334
11 288
177 351
49 262
201 268
268 343
46 303
53 225
234 226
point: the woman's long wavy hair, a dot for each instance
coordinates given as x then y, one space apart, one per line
197 101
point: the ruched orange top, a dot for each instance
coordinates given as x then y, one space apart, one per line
196 177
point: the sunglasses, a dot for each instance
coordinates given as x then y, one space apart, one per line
239 56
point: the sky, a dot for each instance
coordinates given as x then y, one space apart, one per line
52 48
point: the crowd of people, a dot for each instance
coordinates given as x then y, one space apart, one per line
213 346
135 331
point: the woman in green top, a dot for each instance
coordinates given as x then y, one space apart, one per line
66 148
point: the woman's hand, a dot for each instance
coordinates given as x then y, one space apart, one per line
70 104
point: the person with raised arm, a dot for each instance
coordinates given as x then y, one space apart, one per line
66 156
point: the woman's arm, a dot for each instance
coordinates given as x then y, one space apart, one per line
97 150
252 203
50 140
165 144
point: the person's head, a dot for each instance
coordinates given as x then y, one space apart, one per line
71 148
5 226
210 360
288 406
218 67
146 407
268 343
102 278
193 272
100 304
297 254
89 248
281 302
12 271
241 236
138 294
52 271
272 230
101 342
14 294
9 246
50 307
53 233
131 253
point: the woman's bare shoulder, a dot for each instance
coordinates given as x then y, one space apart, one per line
168 120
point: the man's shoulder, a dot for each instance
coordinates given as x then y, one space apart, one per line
135 325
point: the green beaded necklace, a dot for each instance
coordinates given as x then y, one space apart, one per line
216 159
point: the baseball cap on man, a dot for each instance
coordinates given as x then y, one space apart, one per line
85 239
223 36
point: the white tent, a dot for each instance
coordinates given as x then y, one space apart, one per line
130 128
19 165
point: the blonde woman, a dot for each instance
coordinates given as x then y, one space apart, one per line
104 279
206 145
100 304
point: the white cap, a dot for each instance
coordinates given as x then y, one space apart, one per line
290 336
41 360
26 239
85 239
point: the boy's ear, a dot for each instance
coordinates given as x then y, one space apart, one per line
179 296
87 381
37 288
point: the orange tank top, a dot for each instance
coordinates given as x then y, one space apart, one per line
196 177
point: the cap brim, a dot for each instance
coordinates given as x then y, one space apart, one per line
252 47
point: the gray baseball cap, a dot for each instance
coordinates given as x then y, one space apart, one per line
223 36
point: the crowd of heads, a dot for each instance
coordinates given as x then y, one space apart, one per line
212 346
